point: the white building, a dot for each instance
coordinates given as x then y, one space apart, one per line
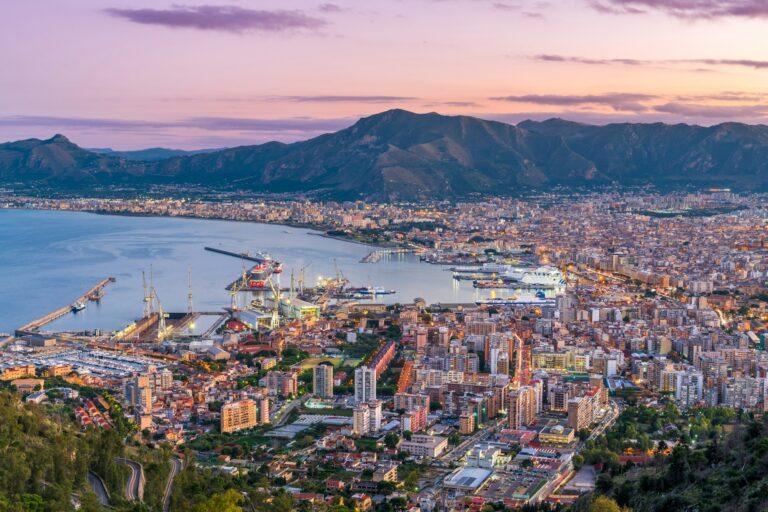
365 384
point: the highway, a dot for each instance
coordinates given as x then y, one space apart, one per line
176 466
134 487
98 487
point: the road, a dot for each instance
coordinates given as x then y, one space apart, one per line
608 420
285 412
176 466
134 487
465 445
98 487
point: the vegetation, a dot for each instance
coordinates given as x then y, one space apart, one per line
697 465
45 459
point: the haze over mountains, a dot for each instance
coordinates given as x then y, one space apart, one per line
401 155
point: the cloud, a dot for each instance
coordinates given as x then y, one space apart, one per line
330 8
220 18
298 124
749 63
694 110
501 6
345 99
687 9
309 124
617 101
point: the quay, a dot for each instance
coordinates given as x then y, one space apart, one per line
375 256
95 293
239 255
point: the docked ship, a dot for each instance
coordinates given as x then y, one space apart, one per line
370 291
545 278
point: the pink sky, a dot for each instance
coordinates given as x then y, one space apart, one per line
192 74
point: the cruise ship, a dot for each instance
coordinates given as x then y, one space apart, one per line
541 277
545 278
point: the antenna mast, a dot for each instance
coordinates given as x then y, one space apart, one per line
189 292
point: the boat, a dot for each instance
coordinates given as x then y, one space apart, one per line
78 306
371 290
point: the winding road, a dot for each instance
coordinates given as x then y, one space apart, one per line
98 487
134 488
176 466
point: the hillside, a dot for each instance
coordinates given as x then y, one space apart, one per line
402 155
708 460
150 154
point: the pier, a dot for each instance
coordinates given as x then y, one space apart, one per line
375 256
239 255
95 293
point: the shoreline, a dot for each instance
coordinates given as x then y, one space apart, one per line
314 230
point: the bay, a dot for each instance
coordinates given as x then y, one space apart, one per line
49 258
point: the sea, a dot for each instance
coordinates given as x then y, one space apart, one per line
49 258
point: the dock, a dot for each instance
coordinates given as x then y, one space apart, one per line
375 256
238 255
95 293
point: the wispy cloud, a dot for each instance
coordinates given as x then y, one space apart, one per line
220 18
345 99
693 110
748 63
628 102
310 124
330 8
689 9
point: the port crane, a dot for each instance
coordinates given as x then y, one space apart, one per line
237 288
301 277
275 320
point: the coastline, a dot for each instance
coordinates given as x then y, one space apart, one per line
314 229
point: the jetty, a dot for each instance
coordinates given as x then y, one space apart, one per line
94 294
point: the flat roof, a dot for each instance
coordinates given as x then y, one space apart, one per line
471 478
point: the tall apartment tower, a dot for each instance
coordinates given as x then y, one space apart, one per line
138 393
322 380
365 384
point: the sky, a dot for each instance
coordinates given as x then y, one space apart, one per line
130 74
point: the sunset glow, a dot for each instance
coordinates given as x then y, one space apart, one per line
213 74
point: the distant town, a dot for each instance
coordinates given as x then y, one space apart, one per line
618 327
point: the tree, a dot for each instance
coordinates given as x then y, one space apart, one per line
391 440
407 434
227 502
454 438
89 502
604 504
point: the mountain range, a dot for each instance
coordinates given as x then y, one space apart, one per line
399 155
150 154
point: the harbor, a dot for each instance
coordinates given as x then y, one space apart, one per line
92 295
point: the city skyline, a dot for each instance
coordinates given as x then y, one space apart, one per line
216 74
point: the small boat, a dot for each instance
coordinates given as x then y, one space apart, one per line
78 306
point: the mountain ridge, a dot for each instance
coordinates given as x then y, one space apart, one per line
398 155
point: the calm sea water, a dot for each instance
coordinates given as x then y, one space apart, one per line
47 259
